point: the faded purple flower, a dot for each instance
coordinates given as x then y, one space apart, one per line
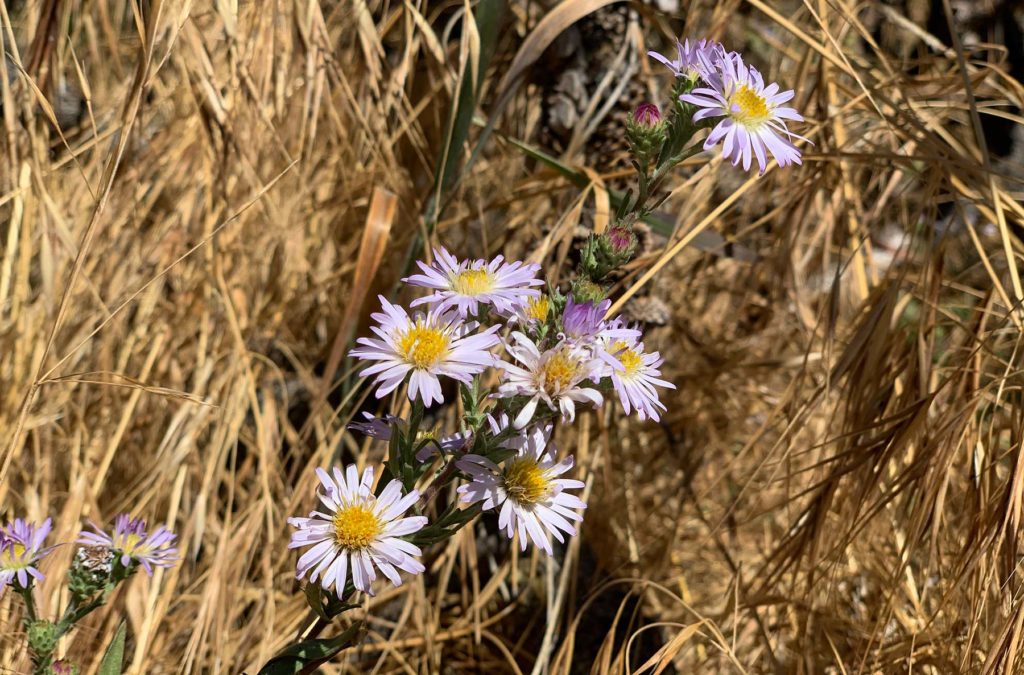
132 542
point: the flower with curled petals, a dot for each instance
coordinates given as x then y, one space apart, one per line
555 377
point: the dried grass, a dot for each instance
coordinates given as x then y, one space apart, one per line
840 483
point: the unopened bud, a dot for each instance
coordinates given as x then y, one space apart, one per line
42 637
620 240
63 667
647 115
645 132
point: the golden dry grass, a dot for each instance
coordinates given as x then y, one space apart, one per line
838 487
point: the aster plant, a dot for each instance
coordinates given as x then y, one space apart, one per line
100 563
524 359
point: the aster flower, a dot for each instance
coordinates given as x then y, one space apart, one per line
380 428
360 532
531 499
465 285
584 322
21 549
636 377
133 543
753 115
689 62
555 377
426 345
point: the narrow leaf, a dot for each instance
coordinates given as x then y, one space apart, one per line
112 660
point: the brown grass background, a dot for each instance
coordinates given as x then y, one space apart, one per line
837 487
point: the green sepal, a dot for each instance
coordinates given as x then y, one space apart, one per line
327 605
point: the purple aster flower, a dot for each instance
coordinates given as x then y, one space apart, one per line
21 549
465 285
532 500
753 116
691 59
584 324
132 542
423 347
380 427
361 532
635 378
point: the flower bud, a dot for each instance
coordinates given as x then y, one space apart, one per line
63 667
619 241
586 291
42 637
645 133
647 115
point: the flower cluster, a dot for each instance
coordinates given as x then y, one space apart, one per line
560 352
751 115
101 562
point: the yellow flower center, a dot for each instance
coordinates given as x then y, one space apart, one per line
753 108
423 346
526 482
537 308
355 527
12 557
629 358
130 542
473 282
559 372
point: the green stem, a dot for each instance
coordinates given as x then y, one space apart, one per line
30 603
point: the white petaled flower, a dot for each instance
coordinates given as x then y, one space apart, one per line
465 285
531 498
21 549
424 347
377 427
360 533
636 378
753 115
688 62
555 377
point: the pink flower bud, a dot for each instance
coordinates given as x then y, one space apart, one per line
621 238
647 115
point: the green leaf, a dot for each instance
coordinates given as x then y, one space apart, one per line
112 660
450 522
308 654
487 16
